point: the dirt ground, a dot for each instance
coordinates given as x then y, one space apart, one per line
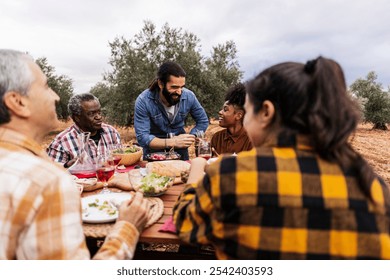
373 145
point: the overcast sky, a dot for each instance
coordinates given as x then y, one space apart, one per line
74 34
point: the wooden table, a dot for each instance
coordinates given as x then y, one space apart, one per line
154 236
152 233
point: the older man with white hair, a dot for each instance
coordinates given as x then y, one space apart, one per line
39 204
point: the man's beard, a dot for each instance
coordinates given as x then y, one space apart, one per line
168 97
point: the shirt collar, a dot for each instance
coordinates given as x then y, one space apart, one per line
290 139
79 130
235 136
15 140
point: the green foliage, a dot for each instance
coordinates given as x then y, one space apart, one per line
376 102
61 84
135 62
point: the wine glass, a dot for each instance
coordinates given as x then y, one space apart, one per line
199 136
105 169
171 135
115 151
204 149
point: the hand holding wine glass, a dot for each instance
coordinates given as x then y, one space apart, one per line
105 169
184 140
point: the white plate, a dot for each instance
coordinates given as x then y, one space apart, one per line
92 214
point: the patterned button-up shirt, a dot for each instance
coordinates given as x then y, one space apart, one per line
285 202
65 145
40 209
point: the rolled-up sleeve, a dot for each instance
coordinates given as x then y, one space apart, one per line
199 115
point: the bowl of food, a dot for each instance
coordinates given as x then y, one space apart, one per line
152 184
159 156
129 155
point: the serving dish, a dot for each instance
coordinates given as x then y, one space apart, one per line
160 156
150 183
128 155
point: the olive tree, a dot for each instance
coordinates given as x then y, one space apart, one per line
135 62
61 84
375 101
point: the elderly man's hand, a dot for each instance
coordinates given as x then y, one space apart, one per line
135 211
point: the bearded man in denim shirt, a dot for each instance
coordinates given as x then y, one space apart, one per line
161 111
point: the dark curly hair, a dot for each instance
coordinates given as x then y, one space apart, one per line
236 96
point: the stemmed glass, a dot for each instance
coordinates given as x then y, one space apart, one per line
199 136
105 169
171 150
204 149
115 150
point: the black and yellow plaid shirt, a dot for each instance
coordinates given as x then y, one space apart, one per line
284 202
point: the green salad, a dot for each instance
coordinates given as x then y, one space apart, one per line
130 150
105 207
154 184
127 150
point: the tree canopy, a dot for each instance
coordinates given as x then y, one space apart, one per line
135 62
376 102
61 84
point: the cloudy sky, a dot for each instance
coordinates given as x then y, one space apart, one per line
74 34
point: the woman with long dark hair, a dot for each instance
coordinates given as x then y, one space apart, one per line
303 192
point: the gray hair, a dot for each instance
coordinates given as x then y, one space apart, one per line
15 75
74 104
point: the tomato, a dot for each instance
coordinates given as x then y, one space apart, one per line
158 157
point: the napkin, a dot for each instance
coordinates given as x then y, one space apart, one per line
168 226
119 181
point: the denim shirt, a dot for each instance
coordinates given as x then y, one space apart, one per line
151 119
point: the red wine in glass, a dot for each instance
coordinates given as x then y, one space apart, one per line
105 173
205 156
204 149
85 174
116 159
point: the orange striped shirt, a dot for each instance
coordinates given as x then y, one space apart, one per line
40 209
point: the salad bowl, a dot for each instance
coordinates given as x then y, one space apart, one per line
150 183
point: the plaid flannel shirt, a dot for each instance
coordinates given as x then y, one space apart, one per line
64 147
284 202
40 208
